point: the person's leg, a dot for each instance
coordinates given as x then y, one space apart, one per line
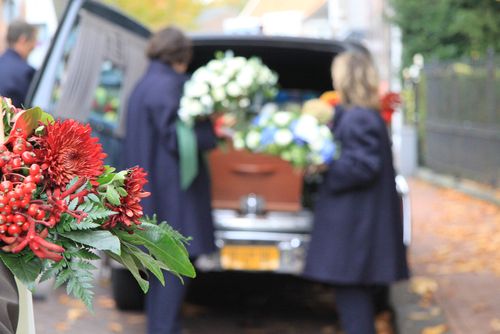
163 305
382 298
384 311
355 308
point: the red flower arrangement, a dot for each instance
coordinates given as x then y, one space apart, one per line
388 104
60 207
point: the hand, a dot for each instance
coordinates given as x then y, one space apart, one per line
316 169
216 116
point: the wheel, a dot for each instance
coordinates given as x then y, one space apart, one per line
126 292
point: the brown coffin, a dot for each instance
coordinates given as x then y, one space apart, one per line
236 174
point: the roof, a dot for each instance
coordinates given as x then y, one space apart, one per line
261 7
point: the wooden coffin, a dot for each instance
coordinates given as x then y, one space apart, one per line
237 174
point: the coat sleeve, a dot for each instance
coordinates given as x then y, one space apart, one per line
360 159
205 135
162 110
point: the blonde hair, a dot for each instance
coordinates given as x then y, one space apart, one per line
356 79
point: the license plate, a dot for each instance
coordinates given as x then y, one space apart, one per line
243 257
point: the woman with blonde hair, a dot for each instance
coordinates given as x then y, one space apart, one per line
357 241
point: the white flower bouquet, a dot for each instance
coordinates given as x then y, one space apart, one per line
293 136
226 83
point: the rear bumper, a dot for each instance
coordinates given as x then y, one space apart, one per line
289 233
292 248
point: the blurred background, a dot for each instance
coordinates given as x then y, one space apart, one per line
442 58
436 55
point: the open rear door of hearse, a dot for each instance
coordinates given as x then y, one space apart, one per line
95 58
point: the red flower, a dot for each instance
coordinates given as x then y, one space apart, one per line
388 104
130 209
68 150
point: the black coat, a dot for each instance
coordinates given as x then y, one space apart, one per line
358 231
151 142
16 75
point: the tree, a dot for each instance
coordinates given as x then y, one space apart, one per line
158 13
447 29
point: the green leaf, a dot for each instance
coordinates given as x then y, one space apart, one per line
176 235
52 270
79 279
101 240
25 268
107 176
28 120
62 277
120 176
85 224
86 254
128 261
147 261
93 198
162 245
112 195
72 205
121 191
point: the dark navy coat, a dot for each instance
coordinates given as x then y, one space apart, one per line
358 232
151 142
15 77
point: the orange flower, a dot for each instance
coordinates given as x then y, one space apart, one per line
331 97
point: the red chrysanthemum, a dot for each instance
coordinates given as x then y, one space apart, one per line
129 211
68 150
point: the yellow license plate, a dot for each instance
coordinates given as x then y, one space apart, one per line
243 257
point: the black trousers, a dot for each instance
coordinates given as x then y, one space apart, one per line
357 306
163 304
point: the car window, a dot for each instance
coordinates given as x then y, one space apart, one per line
106 101
104 116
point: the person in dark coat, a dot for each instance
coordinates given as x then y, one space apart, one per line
357 240
151 142
15 72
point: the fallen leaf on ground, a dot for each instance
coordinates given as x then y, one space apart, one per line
105 302
328 330
383 323
66 300
438 329
479 307
115 327
495 324
135 319
62 327
75 313
420 316
423 285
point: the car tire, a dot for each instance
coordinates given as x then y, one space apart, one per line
125 290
